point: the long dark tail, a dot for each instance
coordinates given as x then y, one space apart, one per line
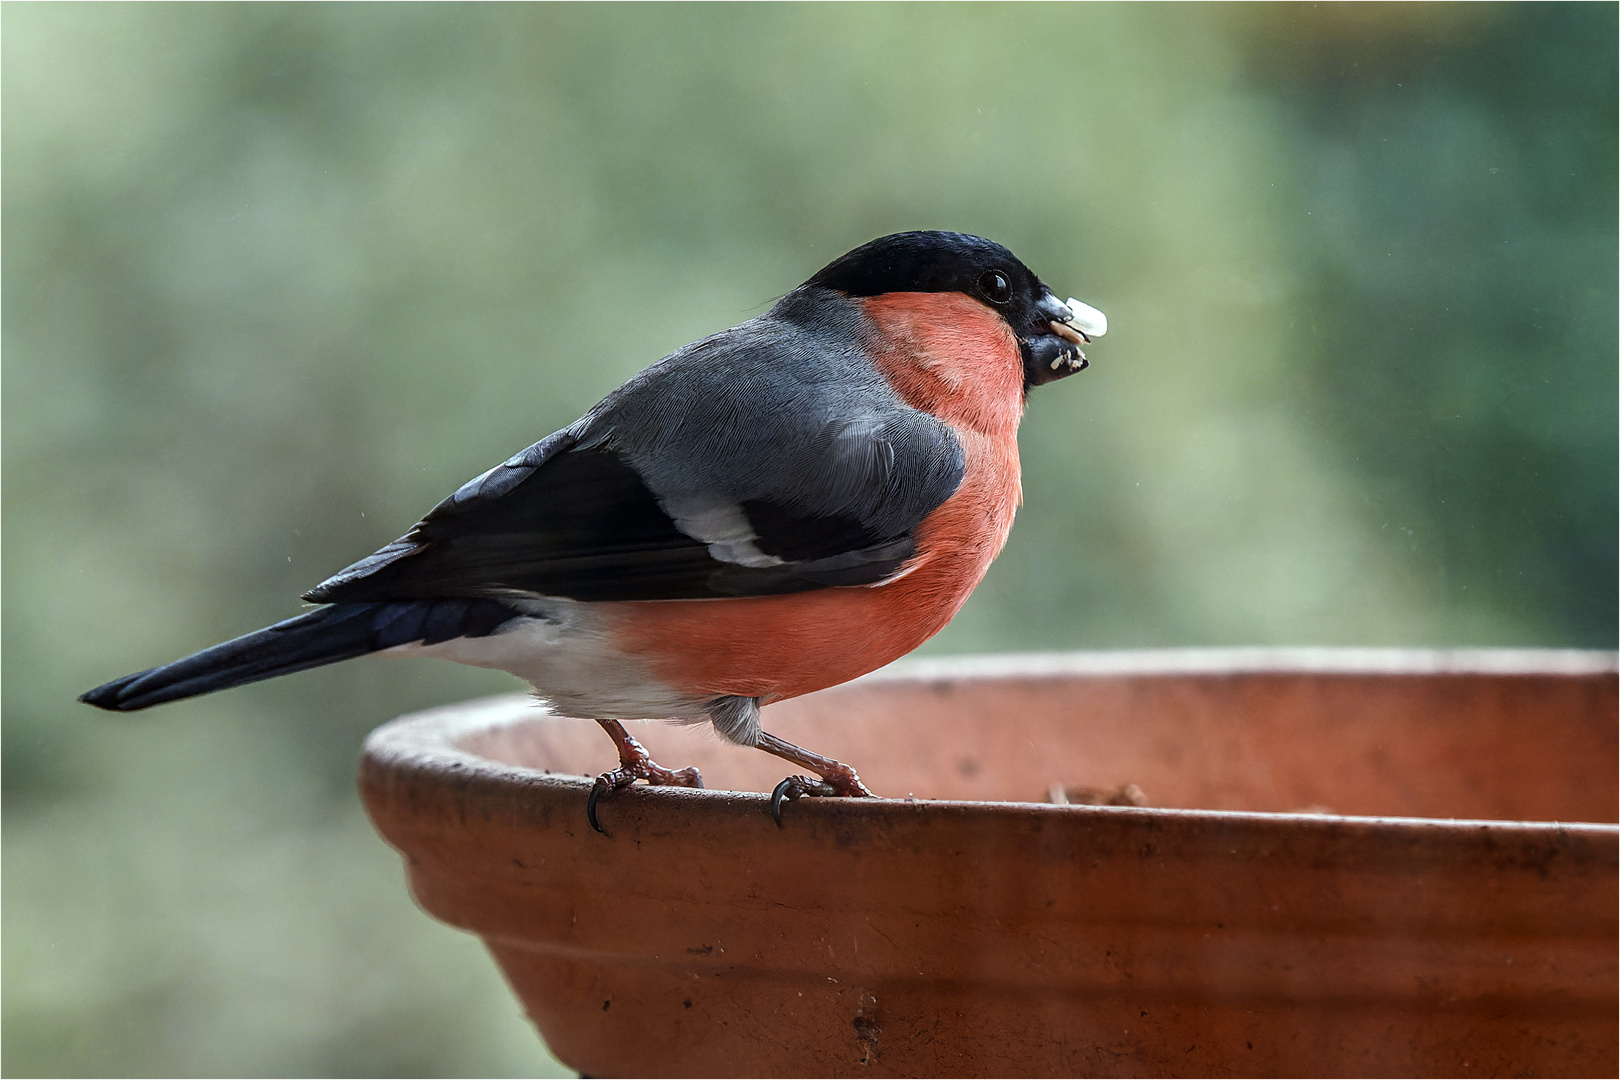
324 636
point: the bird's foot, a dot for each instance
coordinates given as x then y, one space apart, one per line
838 782
634 764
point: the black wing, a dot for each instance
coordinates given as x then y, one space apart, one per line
771 458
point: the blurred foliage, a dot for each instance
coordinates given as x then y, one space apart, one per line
278 278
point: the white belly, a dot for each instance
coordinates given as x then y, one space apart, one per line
566 653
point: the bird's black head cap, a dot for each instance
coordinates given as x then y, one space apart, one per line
931 262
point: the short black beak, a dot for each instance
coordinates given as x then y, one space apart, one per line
1052 351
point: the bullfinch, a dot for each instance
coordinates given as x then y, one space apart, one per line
775 509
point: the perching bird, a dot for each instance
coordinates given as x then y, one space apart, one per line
770 511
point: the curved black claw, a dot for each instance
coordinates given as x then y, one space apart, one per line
627 774
598 789
797 787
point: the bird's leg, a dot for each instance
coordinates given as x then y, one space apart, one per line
836 778
634 764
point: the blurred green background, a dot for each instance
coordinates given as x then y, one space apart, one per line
276 279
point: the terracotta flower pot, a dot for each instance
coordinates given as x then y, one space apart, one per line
1352 863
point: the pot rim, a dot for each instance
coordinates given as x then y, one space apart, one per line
1253 660
431 741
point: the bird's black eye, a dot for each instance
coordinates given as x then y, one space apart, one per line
995 286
